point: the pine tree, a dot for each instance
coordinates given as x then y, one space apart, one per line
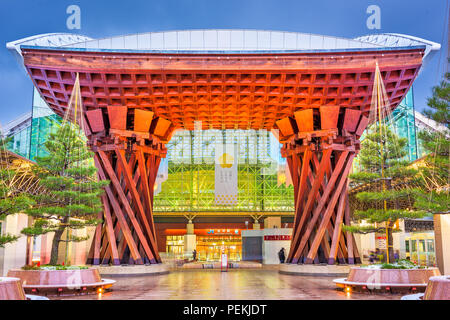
72 200
434 175
11 200
383 206
376 149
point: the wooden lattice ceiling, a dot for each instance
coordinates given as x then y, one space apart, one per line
224 91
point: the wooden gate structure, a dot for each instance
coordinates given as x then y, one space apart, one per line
133 101
320 155
129 159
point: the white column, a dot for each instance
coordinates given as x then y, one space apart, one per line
14 254
401 239
442 241
190 240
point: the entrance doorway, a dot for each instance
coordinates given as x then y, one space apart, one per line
209 248
175 246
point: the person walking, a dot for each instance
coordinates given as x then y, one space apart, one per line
282 255
194 255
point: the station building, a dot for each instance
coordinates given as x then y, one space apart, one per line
186 213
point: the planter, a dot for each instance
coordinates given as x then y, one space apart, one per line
438 288
60 281
11 289
392 276
317 270
376 279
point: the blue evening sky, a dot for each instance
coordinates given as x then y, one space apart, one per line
344 18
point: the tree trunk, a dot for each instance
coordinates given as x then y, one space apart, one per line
55 246
390 244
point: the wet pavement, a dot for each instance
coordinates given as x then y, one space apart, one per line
245 284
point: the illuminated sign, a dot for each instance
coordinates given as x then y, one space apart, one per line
222 231
205 232
277 237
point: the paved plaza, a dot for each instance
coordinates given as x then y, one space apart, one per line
249 284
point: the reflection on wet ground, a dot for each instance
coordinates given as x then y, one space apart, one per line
234 284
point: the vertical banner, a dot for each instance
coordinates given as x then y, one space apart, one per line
226 188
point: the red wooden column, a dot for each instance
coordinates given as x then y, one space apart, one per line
320 145
127 154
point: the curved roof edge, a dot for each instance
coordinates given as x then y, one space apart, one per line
402 40
45 39
75 49
223 41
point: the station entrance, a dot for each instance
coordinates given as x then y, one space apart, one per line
209 244
210 248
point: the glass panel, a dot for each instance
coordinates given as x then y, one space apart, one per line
170 40
44 122
413 245
404 125
237 39
20 141
422 245
210 37
431 259
430 245
407 245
